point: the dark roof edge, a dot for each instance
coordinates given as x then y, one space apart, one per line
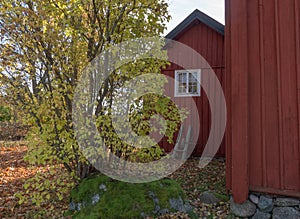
204 18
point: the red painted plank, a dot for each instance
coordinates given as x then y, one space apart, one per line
228 86
255 92
289 95
271 164
239 100
297 43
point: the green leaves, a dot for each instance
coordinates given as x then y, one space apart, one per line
44 47
5 114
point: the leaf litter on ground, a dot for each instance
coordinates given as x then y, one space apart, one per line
194 180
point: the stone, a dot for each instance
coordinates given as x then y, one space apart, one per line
261 215
254 198
208 198
72 206
79 206
265 204
286 213
176 203
270 196
143 215
287 202
164 211
157 209
154 197
103 187
95 199
247 209
179 205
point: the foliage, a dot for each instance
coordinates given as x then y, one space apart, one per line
153 108
5 114
45 45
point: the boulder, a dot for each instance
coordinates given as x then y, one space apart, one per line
265 204
208 198
101 197
246 209
261 215
286 213
287 202
254 198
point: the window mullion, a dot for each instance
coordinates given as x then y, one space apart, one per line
187 83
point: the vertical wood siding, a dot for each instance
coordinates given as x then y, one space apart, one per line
210 45
263 48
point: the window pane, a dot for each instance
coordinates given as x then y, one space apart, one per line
181 90
182 83
193 88
192 78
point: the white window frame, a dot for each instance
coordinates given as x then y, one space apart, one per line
186 93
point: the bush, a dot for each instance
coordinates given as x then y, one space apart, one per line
5 114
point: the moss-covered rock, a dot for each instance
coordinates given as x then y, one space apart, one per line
101 197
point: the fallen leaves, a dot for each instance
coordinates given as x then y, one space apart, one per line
195 180
14 170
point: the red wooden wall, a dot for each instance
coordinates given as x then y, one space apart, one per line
210 45
263 96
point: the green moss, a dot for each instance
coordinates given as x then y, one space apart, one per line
173 188
123 200
88 187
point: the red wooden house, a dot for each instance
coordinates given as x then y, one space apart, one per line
206 36
262 88
263 97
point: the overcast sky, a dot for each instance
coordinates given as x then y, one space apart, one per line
180 9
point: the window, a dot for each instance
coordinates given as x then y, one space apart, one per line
187 82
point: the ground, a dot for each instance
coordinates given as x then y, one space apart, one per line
14 170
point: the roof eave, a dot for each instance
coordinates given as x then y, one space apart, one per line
196 15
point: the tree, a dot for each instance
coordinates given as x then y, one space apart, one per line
45 45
